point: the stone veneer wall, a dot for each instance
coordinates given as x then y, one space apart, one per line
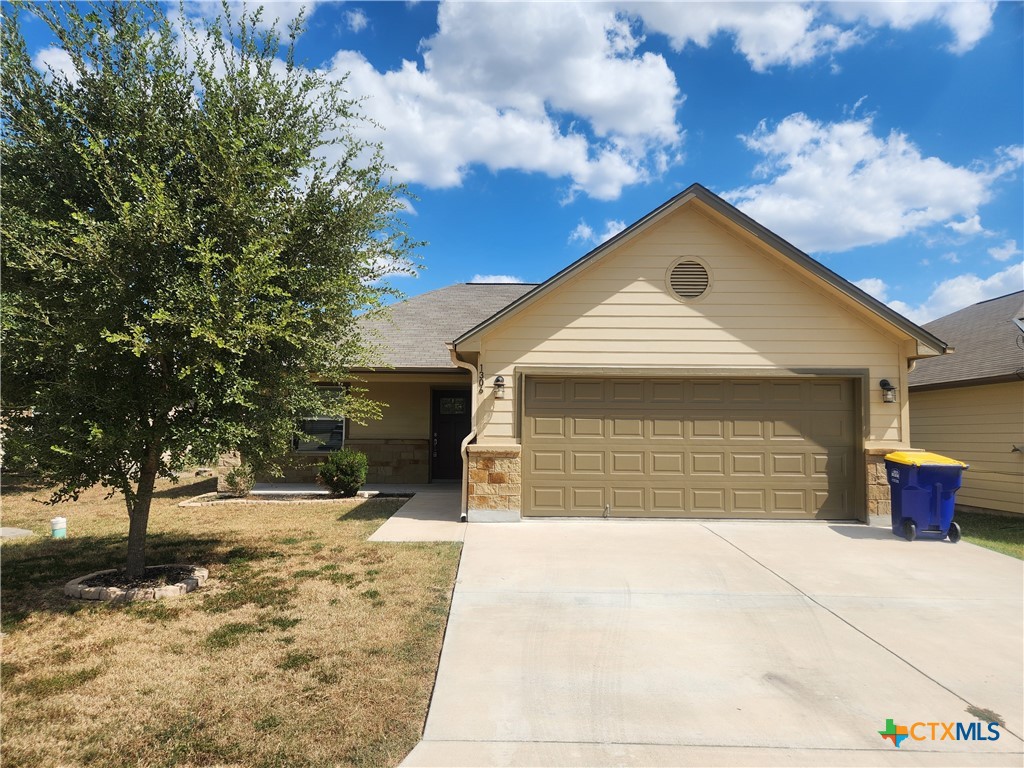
394 460
495 479
390 461
225 464
878 497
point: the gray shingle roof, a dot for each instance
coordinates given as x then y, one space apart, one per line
988 343
415 334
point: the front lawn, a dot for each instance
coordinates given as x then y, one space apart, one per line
309 646
1003 533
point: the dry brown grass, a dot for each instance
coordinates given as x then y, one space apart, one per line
309 646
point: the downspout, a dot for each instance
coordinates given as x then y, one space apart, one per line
464 450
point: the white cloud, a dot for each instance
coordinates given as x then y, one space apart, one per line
57 61
971 226
950 295
836 186
583 232
951 257
356 20
496 279
767 34
792 34
1005 251
568 95
873 286
586 234
275 12
968 20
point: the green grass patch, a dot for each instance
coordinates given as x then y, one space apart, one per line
231 634
296 660
261 592
1001 533
61 682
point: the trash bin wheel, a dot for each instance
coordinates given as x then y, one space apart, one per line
909 530
954 532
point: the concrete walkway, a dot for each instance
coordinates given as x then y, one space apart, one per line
432 514
688 643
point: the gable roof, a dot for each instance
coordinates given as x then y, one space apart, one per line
699 193
414 333
989 345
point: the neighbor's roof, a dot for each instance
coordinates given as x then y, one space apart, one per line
417 330
989 344
701 194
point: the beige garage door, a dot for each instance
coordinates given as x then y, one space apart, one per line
773 448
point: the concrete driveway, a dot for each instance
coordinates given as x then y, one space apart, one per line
689 643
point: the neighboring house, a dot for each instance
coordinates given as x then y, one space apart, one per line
970 405
695 365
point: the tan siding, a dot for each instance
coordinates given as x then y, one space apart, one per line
979 425
759 313
407 401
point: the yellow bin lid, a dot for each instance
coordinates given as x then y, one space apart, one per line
921 458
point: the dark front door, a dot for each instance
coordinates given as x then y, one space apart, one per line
450 423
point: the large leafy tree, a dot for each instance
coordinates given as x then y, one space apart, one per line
190 231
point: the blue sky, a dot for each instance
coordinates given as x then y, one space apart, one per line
882 138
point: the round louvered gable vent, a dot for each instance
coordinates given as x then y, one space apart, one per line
688 279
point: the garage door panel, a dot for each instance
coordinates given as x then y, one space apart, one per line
586 426
585 462
546 390
790 427
588 391
747 464
627 462
831 392
689 448
747 391
589 500
626 500
708 391
708 501
747 429
707 429
789 500
548 499
627 391
547 426
667 392
663 463
548 461
668 501
707 463
788 465
628 427
749 500
666 428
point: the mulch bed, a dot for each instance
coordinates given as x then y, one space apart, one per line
156 576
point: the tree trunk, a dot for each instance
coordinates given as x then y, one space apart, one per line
138 515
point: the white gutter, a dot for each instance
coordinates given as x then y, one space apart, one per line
464 449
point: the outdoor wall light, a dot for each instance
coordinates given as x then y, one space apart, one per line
888 391
499 387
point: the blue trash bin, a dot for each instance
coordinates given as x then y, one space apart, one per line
923 488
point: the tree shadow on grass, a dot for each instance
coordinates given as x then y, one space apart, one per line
187 487
374 509
34 572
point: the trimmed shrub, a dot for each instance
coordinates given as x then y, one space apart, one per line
240 480
343 471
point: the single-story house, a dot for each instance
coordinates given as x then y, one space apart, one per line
694 365
970 405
